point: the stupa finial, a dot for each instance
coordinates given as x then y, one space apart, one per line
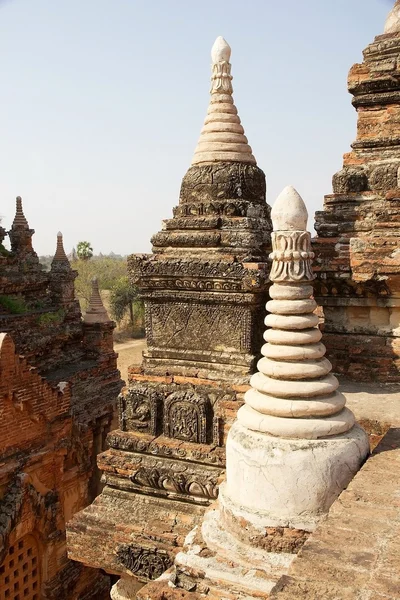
60 252
289 213
392 24
222 138
96 313
221 50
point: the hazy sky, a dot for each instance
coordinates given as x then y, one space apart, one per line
102 102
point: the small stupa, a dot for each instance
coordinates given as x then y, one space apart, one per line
96 313
293 394
60 255
20 232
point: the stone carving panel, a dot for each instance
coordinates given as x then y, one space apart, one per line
198 326
185 417
179 482
143 562
138 409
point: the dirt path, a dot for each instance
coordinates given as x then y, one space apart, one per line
129 353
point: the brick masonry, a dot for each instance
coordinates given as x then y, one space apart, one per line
357 247
56 406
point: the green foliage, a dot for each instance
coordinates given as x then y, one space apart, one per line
84 251
122 297
13 304
107 271
51 318
4 251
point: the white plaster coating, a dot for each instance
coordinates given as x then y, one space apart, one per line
289 213
306 336
295 407
289 369
293 352
221 50
289 389
222 138
292 365
295 427
291 321
392 24
290 481
290 291
291 307
295 445
260 519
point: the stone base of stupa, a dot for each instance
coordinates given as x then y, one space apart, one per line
215 562
286 483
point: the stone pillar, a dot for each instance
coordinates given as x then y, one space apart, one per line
294 446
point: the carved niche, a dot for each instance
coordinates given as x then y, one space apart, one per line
185 417
144 562
138 408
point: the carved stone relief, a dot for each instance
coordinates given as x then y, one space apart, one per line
185 417
143 562
138 408
197 326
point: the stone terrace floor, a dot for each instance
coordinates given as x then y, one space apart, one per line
355 553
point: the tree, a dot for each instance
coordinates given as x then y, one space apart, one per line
107 271
122 297
84 250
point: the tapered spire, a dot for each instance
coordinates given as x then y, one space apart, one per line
293 393
96 313
19 219
20 233
392 24
222 138
60 252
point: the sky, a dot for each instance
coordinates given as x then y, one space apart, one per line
102 103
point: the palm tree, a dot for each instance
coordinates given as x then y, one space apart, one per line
84 250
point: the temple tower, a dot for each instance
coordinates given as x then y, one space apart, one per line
357 248
204 288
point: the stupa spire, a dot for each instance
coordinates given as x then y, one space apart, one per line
60 252
20 233
222 138
392 24
96 313
19 219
